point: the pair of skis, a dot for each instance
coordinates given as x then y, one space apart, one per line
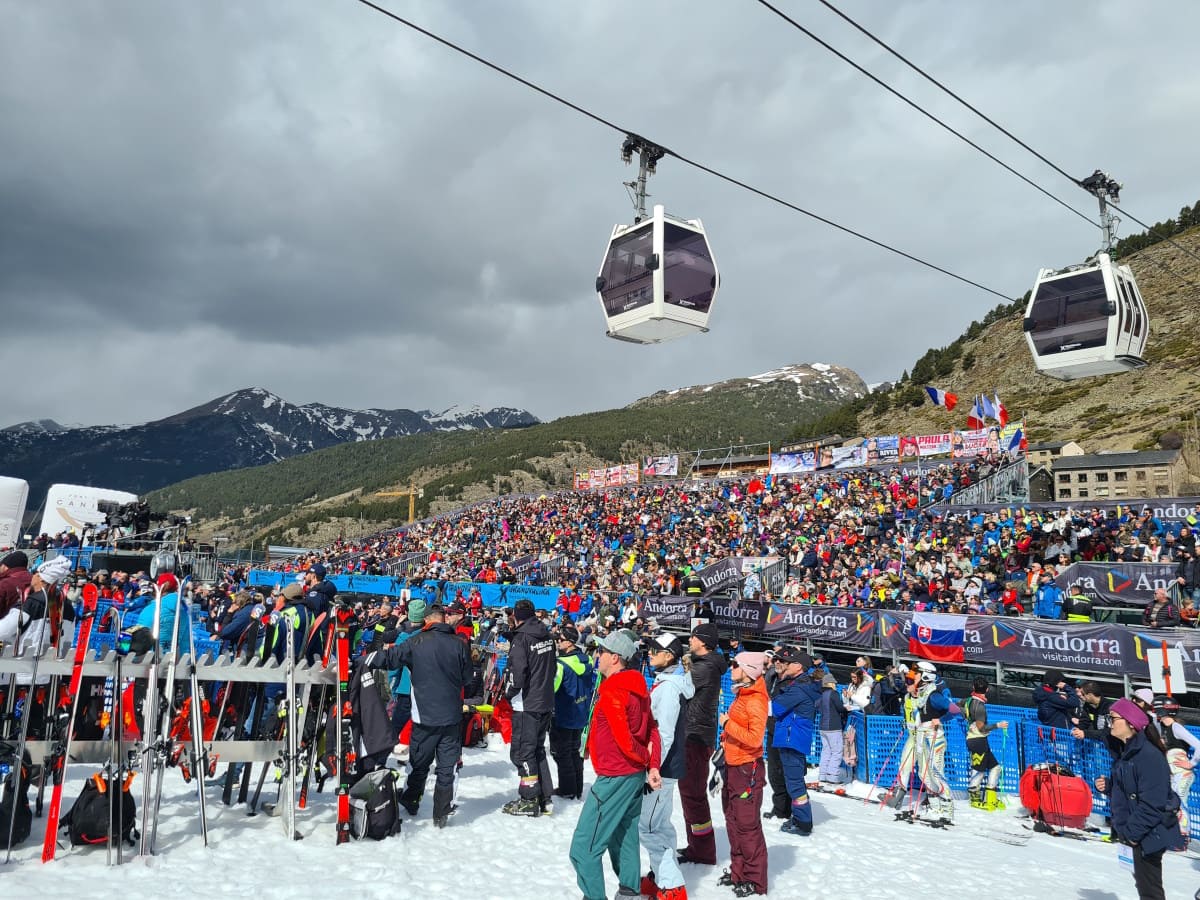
62 749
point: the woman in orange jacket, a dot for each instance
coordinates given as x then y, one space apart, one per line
745 726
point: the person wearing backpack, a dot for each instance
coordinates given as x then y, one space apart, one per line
669 697
574 684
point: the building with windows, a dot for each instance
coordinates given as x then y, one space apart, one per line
1045 453
1111 476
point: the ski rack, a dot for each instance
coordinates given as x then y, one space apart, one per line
208 668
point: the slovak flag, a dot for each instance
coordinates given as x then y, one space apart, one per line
941 398
975 416
1000 412
937 636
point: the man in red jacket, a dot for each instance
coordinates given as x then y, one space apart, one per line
623 744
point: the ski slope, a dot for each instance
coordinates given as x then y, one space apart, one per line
857 851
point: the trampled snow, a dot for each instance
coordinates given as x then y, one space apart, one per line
857 851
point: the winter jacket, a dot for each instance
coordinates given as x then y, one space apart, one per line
1145 811
574 683
231 632
832 710
623 739
1054 709
319 598
794 708
1189 571
669 697
441 667
166 619
400 679
707 671
747 724
369 720
1160 615
532 667
13 585
1049 600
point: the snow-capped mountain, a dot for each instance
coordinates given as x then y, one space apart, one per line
817 382
249 427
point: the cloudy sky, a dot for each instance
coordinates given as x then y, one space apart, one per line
308 197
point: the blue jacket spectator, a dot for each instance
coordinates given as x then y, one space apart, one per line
794 707
171 603
1057 705
1049 600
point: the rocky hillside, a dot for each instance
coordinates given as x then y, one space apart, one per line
246 428
316 496
1126 411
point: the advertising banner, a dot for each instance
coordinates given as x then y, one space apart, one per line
883 449
935 444
670 612
788 463
1118 584
967 444
819 623
850 457
909 447
660 465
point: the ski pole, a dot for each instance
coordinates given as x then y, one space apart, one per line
883 768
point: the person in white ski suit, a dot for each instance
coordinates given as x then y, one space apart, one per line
925 703
669 697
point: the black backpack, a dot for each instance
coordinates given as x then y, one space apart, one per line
88 821
16 793
375 805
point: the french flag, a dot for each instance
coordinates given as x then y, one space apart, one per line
937 636
941 398
1000 412
975 418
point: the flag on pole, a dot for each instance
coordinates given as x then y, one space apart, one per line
938 637
1001 412
975 416
941 398
986 407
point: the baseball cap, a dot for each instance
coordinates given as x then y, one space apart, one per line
569 633
619 643
456 609
317 569
293 592
668 642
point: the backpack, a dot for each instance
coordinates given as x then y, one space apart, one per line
375 806
850 746
875 706
16 794
88 821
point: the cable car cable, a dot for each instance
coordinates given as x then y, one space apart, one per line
912 103
683 159
942 87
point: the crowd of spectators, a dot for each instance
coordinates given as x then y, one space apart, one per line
868 539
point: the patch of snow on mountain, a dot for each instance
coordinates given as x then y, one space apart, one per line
821 367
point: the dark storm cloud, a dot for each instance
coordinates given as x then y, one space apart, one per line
240 182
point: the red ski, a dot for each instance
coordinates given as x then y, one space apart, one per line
345 739
58 762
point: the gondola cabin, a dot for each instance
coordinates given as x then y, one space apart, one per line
1086 320
658 280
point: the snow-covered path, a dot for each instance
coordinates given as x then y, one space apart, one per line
856 851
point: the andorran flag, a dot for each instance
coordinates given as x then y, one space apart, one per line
936 636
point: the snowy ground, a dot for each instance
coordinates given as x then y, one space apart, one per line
857 851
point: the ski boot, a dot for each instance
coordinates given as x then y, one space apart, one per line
523 807
993 801
895 797
975 797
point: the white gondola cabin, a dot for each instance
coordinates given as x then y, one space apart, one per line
658 279
1086 320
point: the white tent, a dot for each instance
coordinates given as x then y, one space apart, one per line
14 492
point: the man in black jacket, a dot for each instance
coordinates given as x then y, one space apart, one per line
529 686
440 665
707 668
1187 573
